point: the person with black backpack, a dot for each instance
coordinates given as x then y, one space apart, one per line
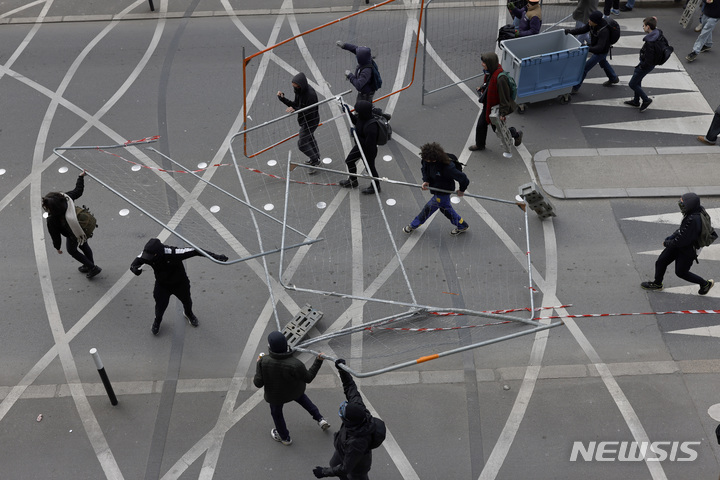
62 221
600 44
681 247
367 130
651 54
366 75
359 433
439 174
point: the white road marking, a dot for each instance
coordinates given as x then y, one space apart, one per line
711 331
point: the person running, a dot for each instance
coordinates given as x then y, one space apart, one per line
284 378
680 247
309 119
439 176
62 222
170 277
651 54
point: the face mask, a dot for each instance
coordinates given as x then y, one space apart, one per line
682 207
296 89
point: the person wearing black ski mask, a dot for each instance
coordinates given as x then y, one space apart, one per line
681 247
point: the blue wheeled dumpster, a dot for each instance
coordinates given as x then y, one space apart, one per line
544 66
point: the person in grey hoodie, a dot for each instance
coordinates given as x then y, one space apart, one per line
680 247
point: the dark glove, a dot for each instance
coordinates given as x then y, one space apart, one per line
348 73
511 6
136 270
339 361
340 43
567 31
319 472
219 258
346 107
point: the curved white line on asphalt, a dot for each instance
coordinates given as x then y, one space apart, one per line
502 446
24 7
90 423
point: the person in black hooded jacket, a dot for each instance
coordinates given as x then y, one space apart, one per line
600 46
680 247
352 458
438 172
284 379
170 277
56 205
366 128
650 54
308 120
363 78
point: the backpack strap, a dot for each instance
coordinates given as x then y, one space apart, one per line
72 221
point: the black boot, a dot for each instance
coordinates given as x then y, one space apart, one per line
349 183
369 190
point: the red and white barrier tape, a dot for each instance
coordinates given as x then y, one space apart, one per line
671 312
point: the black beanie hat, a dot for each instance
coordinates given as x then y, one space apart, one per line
596 16
277 342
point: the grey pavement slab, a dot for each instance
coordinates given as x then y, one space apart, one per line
623 172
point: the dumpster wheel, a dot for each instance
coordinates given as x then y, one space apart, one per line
521 108
564 99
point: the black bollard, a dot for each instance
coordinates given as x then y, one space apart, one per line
152 7
101 371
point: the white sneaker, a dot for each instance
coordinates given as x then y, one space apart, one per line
323 424
276 436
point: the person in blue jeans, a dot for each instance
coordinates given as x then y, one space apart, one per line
710 17
651 54
599 47
439 175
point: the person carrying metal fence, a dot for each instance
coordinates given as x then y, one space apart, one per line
495 91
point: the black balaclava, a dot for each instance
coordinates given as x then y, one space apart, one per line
364 109
689 203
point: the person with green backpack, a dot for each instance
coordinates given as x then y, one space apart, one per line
498 89
62 221
682 246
